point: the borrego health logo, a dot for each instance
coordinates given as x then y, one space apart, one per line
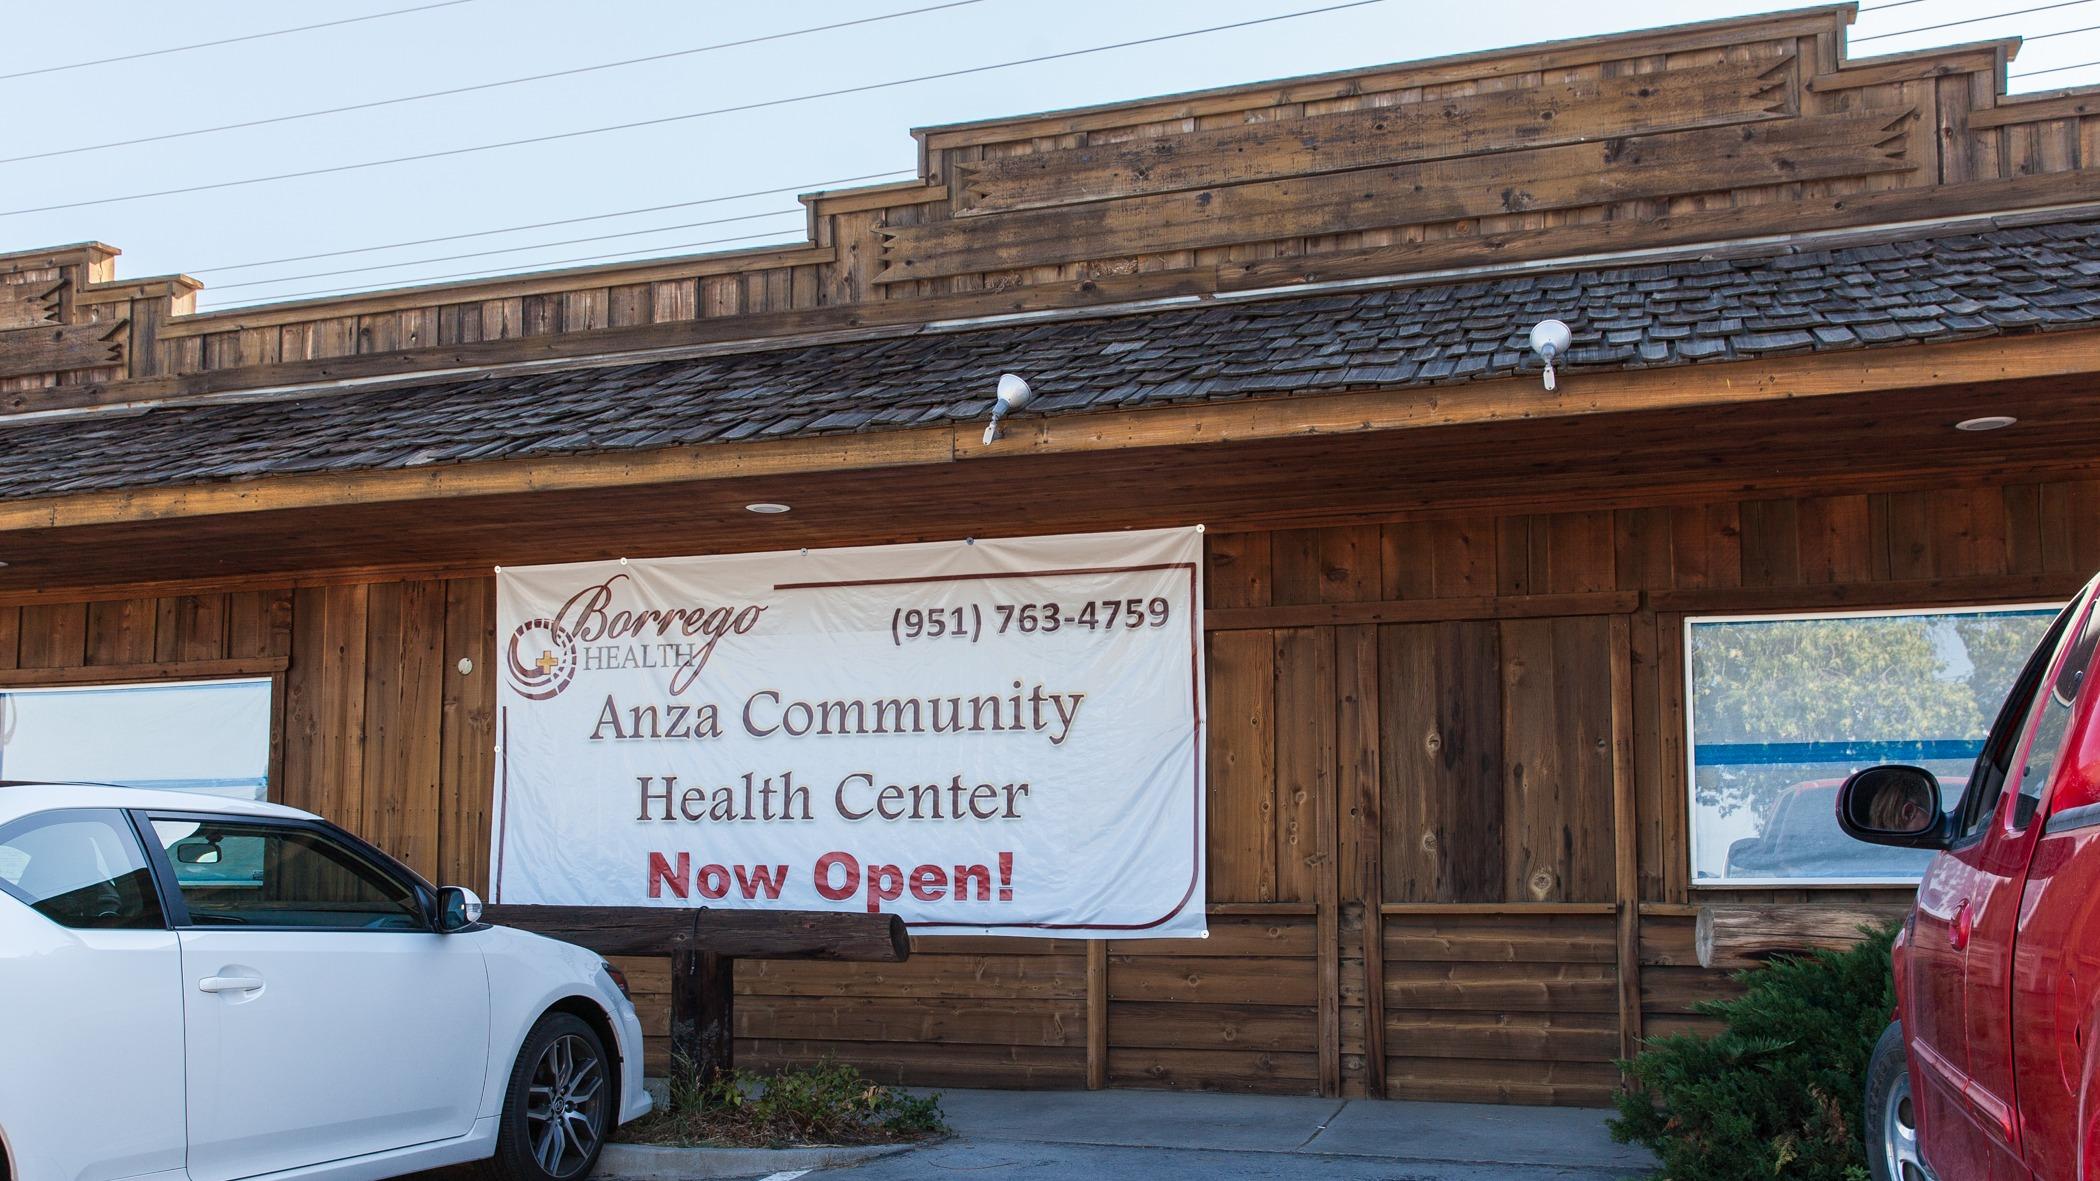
541 658
592 632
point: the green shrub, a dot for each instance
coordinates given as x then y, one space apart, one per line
1777 1093
830 1103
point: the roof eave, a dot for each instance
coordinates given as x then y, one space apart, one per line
2066 353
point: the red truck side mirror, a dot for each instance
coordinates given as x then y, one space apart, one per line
1894 805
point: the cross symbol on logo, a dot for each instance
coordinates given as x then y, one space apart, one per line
547 662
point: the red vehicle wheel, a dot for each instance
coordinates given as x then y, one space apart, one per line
1892 1127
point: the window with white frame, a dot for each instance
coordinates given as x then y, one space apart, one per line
200 736
1782 708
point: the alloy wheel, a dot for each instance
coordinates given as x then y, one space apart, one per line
1899 1134
565 1106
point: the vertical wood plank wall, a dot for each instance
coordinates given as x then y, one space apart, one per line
1443 753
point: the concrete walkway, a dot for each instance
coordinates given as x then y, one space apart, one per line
1180 1136
1102 1135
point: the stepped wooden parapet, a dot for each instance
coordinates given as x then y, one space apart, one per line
1710 132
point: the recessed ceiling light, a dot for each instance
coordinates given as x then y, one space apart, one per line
766 506
1989 422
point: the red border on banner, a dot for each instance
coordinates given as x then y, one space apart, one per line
1195 712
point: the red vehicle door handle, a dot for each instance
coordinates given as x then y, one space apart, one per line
1958 930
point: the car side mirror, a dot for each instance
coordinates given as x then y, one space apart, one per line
458 908
1744 847
1893 805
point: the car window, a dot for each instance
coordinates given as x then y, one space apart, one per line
2052 720
255 873
1994 763
80 868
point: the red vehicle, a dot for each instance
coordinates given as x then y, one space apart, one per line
1992 1069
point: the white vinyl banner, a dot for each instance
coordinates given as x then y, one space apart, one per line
1002 737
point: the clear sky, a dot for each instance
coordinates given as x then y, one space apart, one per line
792 145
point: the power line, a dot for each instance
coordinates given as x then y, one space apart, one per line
103 61
385 266
409 98
777 102
556 262
1971 21
812 186
2056 69
2060 33
1890 4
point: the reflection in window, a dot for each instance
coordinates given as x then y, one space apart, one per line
1783 709
2053 720
80 869
260 874
202 736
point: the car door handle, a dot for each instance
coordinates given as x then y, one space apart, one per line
229 984
1958 930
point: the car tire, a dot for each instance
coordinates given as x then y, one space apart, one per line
555 1119
1892 1127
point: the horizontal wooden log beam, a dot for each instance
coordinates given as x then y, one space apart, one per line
736 934
1743 936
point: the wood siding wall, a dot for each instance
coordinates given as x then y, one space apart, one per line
1447 799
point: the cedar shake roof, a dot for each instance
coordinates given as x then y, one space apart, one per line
1890 293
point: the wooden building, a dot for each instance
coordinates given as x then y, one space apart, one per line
1449 805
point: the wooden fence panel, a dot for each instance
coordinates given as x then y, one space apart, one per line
1238 1011
959 1012
1501 1006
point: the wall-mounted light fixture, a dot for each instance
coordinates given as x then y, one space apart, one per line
1550 339
1013 394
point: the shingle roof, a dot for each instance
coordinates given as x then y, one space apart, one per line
1653 314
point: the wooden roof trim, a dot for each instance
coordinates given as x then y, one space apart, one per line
863 200
1809 375
686 266
71 254
2078 103
150 287
1827 222
1490 63
1979 589
1974 57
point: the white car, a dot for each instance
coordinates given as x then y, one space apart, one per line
201 989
